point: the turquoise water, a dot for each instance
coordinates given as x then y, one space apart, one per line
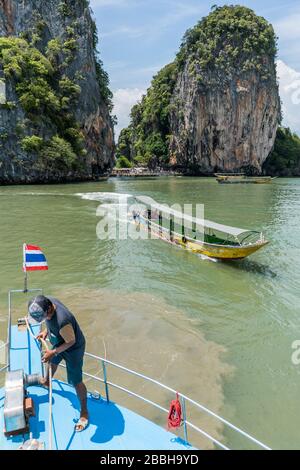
249 307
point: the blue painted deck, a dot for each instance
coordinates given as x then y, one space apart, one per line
111 426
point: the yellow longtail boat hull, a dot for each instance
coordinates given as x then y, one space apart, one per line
220 251
231 179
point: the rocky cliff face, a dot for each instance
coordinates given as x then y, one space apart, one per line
228 128
55 122
223 108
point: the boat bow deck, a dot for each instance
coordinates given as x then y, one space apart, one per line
111 426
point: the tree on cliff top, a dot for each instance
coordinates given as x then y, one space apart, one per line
229 39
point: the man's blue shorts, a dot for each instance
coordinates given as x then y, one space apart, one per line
74 363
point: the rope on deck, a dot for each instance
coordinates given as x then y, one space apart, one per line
50 382
50 406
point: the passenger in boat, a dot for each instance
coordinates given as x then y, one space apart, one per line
68 343
155 215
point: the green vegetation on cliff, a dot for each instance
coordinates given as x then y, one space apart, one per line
229 39
66 9
47 98
41 76
123 162
147 136
102 75
285 158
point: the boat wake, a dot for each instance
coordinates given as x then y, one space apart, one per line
32 193
103 196
207 258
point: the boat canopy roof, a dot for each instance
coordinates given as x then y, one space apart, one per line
234 231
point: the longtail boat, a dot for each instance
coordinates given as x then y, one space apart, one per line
198 235
231 178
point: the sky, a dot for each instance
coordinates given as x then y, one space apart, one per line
138 37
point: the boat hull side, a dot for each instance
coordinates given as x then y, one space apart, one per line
250 180
223 252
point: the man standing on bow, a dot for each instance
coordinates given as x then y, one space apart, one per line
68 343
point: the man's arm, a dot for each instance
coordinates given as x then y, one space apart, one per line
68 334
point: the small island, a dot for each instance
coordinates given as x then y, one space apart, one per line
216 107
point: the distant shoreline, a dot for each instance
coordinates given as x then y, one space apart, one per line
142 172
100 179
146 173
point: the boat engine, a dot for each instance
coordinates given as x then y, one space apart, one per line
18 407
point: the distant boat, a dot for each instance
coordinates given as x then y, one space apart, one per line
231 178
202 236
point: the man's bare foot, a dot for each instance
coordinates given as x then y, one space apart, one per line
82 423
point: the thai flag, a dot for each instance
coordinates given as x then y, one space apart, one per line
34 259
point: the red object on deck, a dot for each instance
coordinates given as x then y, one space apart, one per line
174 417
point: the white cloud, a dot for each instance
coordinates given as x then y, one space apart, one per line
289 88
124 99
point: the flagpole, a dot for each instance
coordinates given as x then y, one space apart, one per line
25 270
25 283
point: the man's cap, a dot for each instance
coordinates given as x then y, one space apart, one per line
38 309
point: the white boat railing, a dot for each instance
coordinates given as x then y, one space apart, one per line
171 235
183 398
2 346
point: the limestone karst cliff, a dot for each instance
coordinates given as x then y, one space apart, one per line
217 106
55 104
